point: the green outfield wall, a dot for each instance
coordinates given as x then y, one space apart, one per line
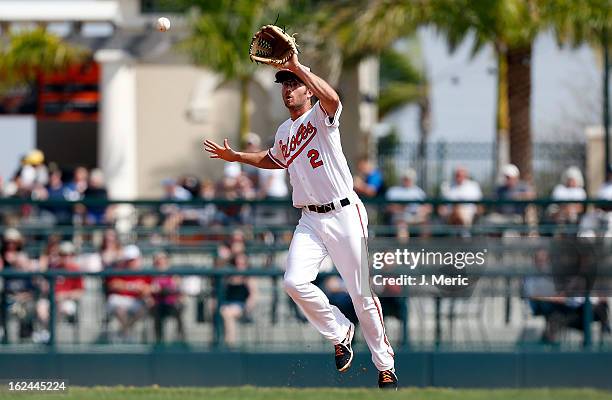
189 368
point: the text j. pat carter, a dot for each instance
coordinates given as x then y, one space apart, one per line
422 280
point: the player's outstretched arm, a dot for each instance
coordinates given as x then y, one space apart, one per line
260 159
325 93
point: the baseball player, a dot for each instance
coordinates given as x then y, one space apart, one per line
333 222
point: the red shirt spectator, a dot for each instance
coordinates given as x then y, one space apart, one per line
132 286
65 261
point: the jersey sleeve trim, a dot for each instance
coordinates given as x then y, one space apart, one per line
335 121
276 161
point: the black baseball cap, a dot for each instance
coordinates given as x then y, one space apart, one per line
285 75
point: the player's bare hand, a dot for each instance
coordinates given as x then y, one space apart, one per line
224 152
292 64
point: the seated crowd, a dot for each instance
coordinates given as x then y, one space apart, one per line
36 180
130 299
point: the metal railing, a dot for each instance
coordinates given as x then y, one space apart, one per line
505 289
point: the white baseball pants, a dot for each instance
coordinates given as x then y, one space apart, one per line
341 234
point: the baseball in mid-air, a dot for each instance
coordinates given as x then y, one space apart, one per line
163 24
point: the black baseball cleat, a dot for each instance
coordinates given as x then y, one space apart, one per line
344 351
387 379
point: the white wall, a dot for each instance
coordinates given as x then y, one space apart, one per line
17 137
117 135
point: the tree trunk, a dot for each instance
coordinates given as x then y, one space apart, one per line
424 129
502 154
245 116
519 109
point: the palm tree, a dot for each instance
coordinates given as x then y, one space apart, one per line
511 27
30 53
365 28
401 83
577 22
588 21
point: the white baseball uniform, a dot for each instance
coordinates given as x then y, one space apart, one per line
310 149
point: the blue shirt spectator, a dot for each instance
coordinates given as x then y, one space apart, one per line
512 189
369 182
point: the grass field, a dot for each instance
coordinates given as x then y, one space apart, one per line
253 393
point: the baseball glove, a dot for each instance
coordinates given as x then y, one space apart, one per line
272 46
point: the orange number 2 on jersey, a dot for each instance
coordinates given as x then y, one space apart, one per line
313 154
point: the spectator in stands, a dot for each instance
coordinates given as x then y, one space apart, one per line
539 286
369 180
190 215
237 242
50 255
246 188
174 191
129 296
68 290
231 248
403 216
96 190
597 221
191 184
559 310
16 189
568 312
272 185
512 188
110 250
208 213
166 291
239 299
461 188
605 191
33 171
338 296
570 188
26 174
77 187
12 244
22 294
542 296
233 186
172 212
252 145
207 189
228 187
57 191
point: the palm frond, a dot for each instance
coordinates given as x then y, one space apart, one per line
401 82
28 53
398 95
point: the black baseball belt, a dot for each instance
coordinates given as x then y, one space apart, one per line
328 207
